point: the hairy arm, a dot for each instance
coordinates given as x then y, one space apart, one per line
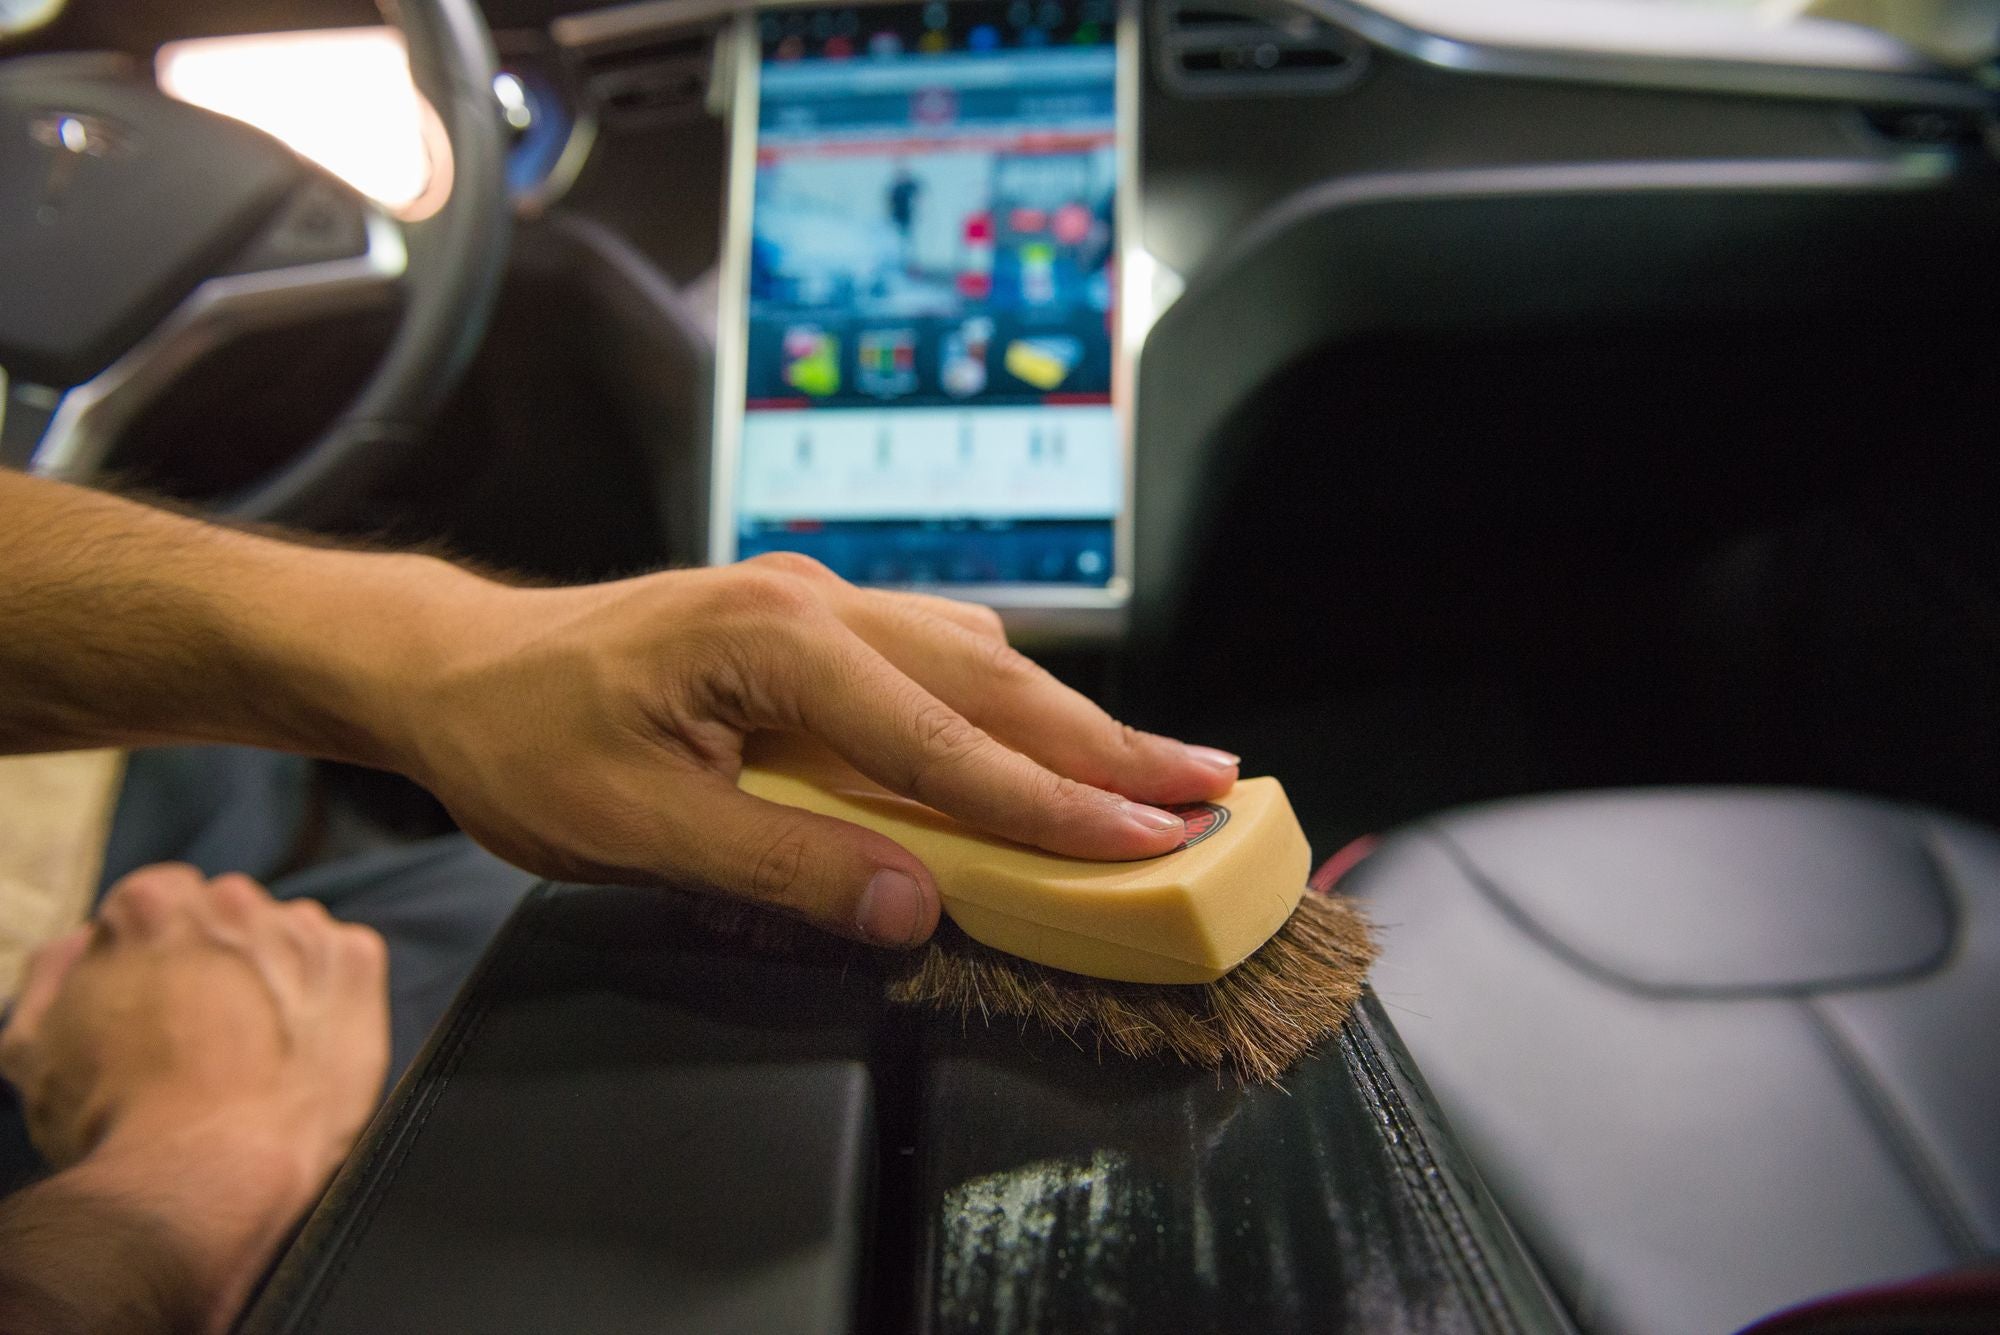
79 1257
591 733
143 1239
124 625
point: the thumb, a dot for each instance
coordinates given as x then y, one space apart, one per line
47 968
834 874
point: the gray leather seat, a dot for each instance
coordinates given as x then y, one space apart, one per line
1716 1051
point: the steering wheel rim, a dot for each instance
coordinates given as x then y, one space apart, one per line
459 256
281 241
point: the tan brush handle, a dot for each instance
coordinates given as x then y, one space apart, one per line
1187 917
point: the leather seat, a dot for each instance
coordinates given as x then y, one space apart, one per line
1715 1051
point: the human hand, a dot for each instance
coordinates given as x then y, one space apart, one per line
597 733
206 1052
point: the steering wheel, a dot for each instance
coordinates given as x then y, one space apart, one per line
137 233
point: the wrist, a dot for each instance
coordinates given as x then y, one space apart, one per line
225 1190
357 643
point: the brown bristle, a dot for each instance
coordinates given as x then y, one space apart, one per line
1257 1019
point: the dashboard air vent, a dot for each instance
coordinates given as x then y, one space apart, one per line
651 82
1239 47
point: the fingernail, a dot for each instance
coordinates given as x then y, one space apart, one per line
890 909
1152 818
1210 756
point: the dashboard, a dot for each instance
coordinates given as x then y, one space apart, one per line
1298 175
1240 185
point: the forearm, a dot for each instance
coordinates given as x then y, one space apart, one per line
125 625
154 1231
80 1257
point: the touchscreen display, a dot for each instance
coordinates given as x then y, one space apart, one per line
931 280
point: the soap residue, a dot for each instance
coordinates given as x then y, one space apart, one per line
1055 1233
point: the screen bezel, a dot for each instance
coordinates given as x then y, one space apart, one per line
1059 608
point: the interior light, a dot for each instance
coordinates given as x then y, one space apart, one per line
341 97
513 98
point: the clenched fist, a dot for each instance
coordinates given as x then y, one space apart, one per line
205 1055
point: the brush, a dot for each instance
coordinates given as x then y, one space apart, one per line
1217 954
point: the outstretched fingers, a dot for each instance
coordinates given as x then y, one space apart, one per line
888 726
970 667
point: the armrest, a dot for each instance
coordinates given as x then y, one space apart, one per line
612 1131
630 1123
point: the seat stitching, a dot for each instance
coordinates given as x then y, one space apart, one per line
1949 889
1899 1140
1433 1192
1511 909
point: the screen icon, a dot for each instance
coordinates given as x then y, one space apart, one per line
887 362
1072 224
812 360
1038 273
934 106
963 363
1043 362
975 266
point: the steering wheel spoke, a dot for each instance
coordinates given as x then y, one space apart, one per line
25 410
138 233
325 251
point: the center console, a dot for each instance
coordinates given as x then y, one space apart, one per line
631 1123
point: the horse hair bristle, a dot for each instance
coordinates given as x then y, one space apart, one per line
1257 1020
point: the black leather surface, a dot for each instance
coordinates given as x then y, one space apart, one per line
1059 1193
1715 1052
631 1125
610 1134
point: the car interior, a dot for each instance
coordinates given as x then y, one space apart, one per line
1555 439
